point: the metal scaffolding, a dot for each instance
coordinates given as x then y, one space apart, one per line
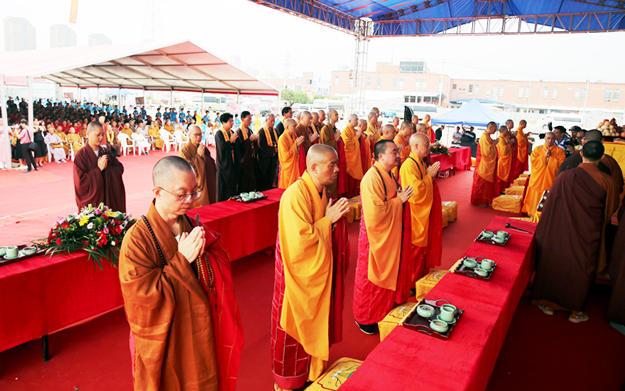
363 28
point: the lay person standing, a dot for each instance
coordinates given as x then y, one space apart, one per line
98 173
227 159
566 266
248 155
199 157
185 325
378 276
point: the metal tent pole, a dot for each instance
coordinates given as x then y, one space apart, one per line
6 145
29 82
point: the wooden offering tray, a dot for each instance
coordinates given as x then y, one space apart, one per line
20 255
238 198
414 321
463 270
483 239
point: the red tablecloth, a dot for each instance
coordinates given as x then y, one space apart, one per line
460 158
408 360
41 295
244 228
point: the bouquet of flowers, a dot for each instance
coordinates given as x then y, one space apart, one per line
439 149
98 231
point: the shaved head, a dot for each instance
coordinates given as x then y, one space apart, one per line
419 138
388 131
372 115
93 126
290 123
320 153
165 171
422 128
593 135
592 151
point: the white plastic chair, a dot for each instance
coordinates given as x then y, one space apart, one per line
167 138
126 143
180 139
140 143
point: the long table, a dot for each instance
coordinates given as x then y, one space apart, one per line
459 158
42 295
244 228
409 360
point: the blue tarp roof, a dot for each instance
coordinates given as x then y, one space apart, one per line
419 17
473 114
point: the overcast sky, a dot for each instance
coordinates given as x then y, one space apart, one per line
267 39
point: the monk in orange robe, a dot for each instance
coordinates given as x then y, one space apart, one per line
429 130
289 145
366 146
522 147
504 162
126 129
351 137
176 281
74 139
485 177
98 173
378 280
546 161
328 137
199 157
311 262
402 140
388 132
153 131
372 128
422 214
304 130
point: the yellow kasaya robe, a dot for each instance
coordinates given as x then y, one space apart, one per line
170 128
522 146
110 137
158 142
288 154
306 245
127 131
75 140
352 153
400 139
189 153
82 133
316 130
430 132
382 211
366 149
327 136
488 163
543 175
413 173
63 138
504 164
373 132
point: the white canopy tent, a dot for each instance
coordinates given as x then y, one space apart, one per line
182 66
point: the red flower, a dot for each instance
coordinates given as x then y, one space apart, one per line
65 225
58 241
102 241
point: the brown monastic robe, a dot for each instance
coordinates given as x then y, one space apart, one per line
616 306
569 236
92 186
183 337
205 171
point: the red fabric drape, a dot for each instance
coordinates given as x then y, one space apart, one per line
342 178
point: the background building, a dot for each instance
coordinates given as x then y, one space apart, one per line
61 36
99 39
19 34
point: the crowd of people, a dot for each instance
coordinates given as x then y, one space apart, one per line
175 276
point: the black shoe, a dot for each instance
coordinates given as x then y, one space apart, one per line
29 170
413 292
368 329
36 169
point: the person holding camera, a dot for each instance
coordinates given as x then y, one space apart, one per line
563 140
27 145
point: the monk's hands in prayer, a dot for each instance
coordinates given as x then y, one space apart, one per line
102 162
200 149
405 194
299 141
192 244
401 147
313 137
234 137
433 169
337 210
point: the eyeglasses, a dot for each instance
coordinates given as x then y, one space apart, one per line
185 197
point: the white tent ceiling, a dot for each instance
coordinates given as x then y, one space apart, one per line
181 66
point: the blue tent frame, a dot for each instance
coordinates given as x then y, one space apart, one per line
406 18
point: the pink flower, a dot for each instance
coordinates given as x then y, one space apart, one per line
106 230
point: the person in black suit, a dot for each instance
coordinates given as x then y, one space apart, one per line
227 159
268 154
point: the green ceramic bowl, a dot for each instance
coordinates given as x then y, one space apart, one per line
439 326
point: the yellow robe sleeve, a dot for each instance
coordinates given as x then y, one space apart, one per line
414 174
504 164
383 220
488 160
352 153
306 245
289 160
521 141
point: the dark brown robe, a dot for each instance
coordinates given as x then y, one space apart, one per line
616 306
267 159
206 172
248 161
569 236
93 186
227 166
302 130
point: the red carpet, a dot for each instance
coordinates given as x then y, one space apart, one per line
540 352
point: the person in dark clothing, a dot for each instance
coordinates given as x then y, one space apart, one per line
25 138
42 151
268 154
247 143
439 133
227 159
468 140
287 113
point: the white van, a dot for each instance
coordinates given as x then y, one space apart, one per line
559 119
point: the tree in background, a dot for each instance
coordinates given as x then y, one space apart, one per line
294 97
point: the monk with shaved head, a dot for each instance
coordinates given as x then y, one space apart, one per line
311 256
178 292
289 146
372 127
304 129
351 136
98 173
199 157
331 136
485 176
